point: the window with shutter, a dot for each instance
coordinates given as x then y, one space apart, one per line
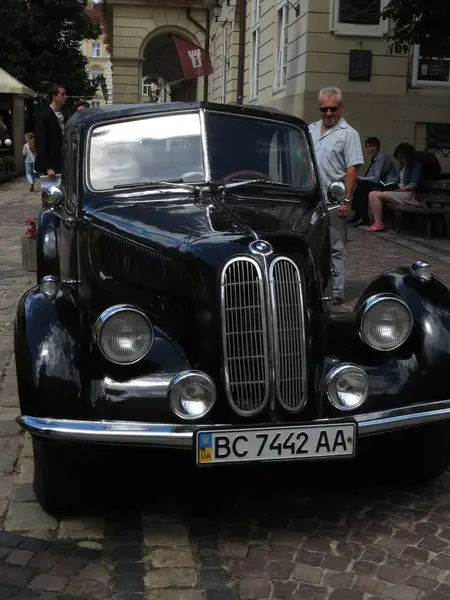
364 12
358 17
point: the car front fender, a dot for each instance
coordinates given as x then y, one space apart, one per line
416 372
52 352
47 246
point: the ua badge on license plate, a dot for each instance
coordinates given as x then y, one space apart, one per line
281 443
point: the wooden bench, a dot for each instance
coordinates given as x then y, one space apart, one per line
434 207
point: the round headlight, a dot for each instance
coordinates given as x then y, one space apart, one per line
192 394
347 386
385 322
124 334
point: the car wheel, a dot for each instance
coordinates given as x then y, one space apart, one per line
422 454
56 476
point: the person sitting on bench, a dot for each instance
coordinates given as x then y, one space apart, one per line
407 184
381 168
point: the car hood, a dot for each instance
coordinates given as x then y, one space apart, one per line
178 224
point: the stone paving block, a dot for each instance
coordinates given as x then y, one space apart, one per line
165 534
48 582
234 548
87 528
178 595
95 572
15 576
367 584
171 557
22 515
402 592
170 578
9 427
254 588
307 574
19 557
26 471
67 566
94 590
311 592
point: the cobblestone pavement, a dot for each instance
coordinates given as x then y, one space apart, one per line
163 531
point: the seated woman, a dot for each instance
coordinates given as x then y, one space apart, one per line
408 181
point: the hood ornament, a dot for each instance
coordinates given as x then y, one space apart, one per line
260 247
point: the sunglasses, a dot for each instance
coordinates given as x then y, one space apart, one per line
325 109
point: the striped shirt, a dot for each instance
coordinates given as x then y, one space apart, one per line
336 150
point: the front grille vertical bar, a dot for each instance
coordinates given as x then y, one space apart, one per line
244 335
286 291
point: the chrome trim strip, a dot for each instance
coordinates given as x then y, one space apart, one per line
244 335
402 418
111 432
204 137
182 436
286 291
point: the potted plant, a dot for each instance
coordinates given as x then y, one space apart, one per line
29 262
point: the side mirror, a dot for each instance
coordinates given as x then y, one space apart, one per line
336 193
52 197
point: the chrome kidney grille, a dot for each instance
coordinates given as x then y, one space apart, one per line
289 333
263 332
244 328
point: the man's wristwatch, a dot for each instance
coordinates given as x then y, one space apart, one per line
346 201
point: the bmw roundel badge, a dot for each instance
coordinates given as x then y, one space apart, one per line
260 247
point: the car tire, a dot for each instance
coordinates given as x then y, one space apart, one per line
421 454
56 483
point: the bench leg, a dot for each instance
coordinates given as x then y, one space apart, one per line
398 223
429 227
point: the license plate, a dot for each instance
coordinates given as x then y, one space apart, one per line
281 443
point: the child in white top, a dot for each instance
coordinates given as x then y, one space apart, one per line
29 152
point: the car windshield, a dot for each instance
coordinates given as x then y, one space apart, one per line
248 148
155 148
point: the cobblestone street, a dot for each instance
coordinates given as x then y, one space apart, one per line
163 531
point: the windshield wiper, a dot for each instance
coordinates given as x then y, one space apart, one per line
234 184
178 183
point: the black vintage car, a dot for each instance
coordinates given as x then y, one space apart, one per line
181 302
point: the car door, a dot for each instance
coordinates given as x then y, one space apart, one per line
69 208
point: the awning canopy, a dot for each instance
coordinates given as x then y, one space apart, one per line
10 85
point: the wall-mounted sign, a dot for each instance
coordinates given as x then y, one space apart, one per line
433 69
360 65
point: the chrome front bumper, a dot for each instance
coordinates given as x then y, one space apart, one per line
182 436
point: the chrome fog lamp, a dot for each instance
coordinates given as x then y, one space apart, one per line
192 394
49 286
347 386
123 334
385 322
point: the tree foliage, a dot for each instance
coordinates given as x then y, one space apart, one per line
40 43
424 22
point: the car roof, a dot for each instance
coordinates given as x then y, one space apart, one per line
88 116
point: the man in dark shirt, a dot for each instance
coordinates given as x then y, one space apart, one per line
49 134
381 168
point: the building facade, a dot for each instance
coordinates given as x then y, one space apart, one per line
99 61
280 53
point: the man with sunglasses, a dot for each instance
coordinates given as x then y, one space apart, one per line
339 155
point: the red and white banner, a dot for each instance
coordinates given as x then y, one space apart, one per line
195 61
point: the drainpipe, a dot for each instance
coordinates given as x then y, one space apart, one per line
241 58
206 30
